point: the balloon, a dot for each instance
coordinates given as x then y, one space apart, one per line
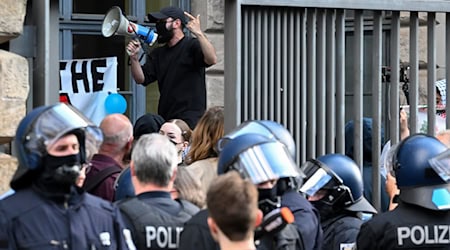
115 103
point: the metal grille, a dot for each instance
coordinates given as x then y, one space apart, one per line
313 68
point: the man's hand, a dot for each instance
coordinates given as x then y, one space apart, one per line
193 24
133 48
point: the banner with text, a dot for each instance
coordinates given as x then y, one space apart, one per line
85 83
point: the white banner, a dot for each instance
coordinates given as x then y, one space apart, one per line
85 83
422 118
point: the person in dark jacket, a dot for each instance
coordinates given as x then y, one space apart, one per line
422 218
48 210
155 219
367 158
269 166
334 185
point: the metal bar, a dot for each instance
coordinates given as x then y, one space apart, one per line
321 77
358 88
250 91
340 81
290 112
414 71
265 63
311 87
284 66
447 69
376 108
278 77
331 81
395 69
257 86
303 86
272 48
246 61
431 72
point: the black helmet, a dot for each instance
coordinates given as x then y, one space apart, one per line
41 128
258 158
421 165
267 128
341 177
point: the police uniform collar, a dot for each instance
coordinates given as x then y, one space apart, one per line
154 194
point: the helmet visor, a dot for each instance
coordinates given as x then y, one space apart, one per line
265 162
441 165
57 121
317 178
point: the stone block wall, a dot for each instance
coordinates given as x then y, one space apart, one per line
14 85
212 20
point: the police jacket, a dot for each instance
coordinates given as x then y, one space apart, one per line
155 219
196 235
406 227
340 232
30 220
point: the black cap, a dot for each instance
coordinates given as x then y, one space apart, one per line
166 12
146 124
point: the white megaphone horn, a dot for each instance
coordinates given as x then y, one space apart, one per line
115 23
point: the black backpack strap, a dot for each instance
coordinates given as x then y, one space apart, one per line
91 183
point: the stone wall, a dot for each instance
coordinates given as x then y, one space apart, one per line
13 85
212 21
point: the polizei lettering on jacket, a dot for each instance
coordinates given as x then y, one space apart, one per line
423 235
163 237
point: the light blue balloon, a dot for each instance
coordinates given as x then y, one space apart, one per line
115 103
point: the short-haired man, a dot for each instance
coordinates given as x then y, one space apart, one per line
106 165
233 211
155 219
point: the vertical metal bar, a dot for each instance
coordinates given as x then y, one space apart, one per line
299 71
257 90
447 69
358 87
246 64
284 66
431 72
272 47
250 102
414 71
395 69
265 62
291 73
376 108
278 76
340 81
331 81
320 97
311 61
303 86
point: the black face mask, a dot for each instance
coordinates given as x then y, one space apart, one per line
326 211
62 170
268 199
164 34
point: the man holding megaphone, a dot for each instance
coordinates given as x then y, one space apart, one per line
178 66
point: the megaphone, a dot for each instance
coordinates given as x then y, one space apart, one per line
115 23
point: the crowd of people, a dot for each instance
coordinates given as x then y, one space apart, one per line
176 180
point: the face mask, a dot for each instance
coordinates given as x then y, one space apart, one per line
268 199
63 170
164 34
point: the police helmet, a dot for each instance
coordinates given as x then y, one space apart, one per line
257 158
42 127
341 178
421 166
267 128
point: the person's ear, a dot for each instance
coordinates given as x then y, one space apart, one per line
174 175
132 171
213 228
259 217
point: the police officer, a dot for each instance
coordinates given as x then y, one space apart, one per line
422 217
268 164
306 216
334 185
155 219
48 210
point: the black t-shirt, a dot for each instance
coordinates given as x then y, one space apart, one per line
180 72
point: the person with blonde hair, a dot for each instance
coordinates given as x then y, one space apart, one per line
202 156
187 187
